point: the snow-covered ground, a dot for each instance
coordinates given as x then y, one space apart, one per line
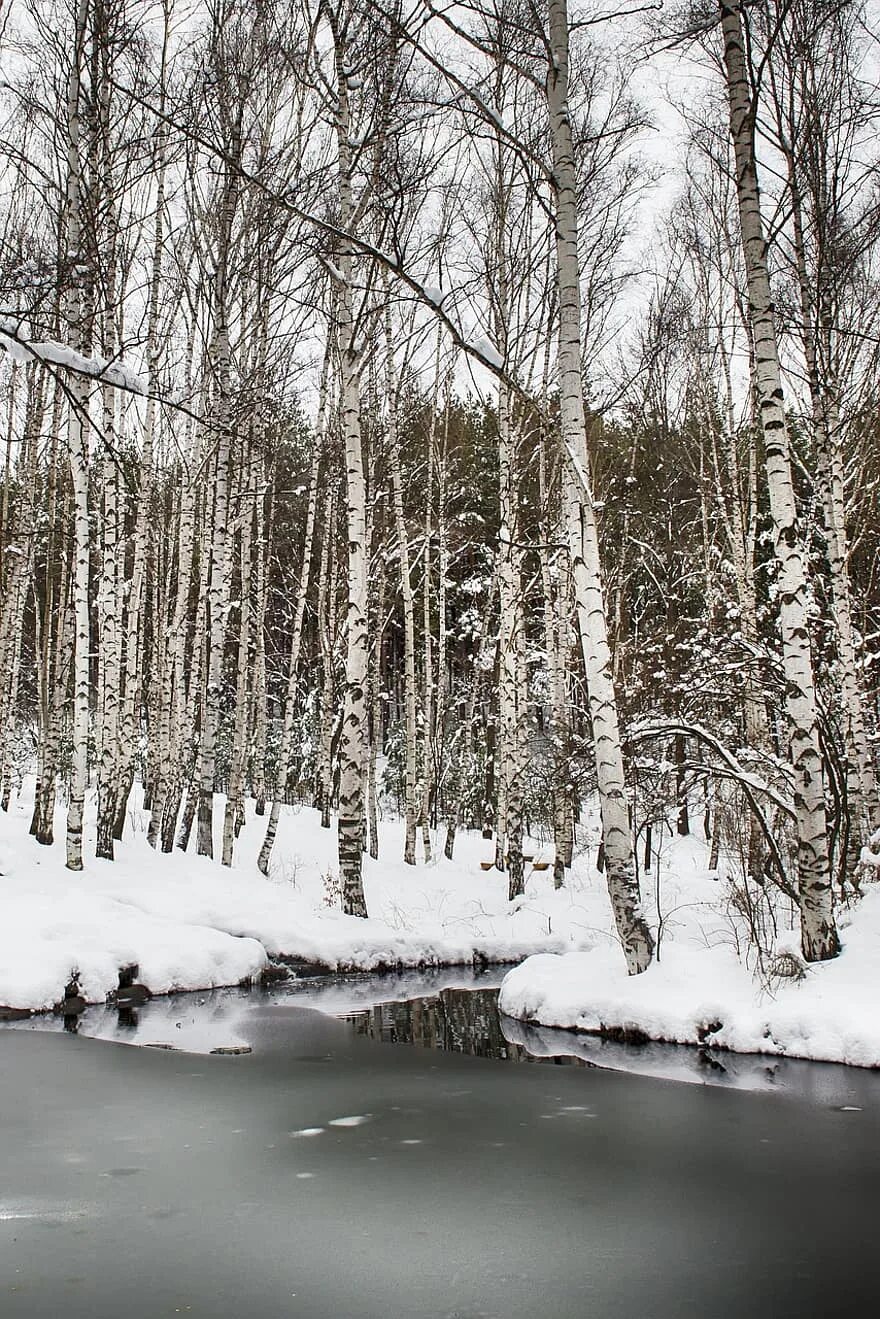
189 923
702 991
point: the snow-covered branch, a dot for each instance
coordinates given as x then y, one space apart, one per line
51 353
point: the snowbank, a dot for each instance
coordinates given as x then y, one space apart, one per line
705 995
189 923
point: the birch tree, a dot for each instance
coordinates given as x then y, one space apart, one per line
580 515
818 930
77 442
821 117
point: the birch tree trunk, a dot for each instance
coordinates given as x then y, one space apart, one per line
233 815
375 709
410 772
817 334
286 750
582 532
139 580
169 788
109 594
51 643
263 530
192 729
432 714
17 547
327 613
508 835
77 441
556 594
819 938
220 548
352 743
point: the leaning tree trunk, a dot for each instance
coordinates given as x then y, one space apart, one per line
582 531
819 938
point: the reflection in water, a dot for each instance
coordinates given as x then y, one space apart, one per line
459 1021
468 1021
455 1010
475 1188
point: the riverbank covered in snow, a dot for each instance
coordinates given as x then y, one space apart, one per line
700 992
190 923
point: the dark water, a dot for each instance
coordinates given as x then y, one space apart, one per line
469 1022
454 1009
329 1176
455 1020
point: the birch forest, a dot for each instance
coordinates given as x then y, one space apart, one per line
399 416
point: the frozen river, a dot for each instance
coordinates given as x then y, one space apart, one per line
329 1175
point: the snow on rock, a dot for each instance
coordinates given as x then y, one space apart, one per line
57 931
870 856
697 995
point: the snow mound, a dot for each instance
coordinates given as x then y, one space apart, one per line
707 996
189 923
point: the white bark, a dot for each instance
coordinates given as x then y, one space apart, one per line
234 815
19 534
410 732
290 700
817 333
109 594
818 931
583 539
221 548
352 745
137 586
77 441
